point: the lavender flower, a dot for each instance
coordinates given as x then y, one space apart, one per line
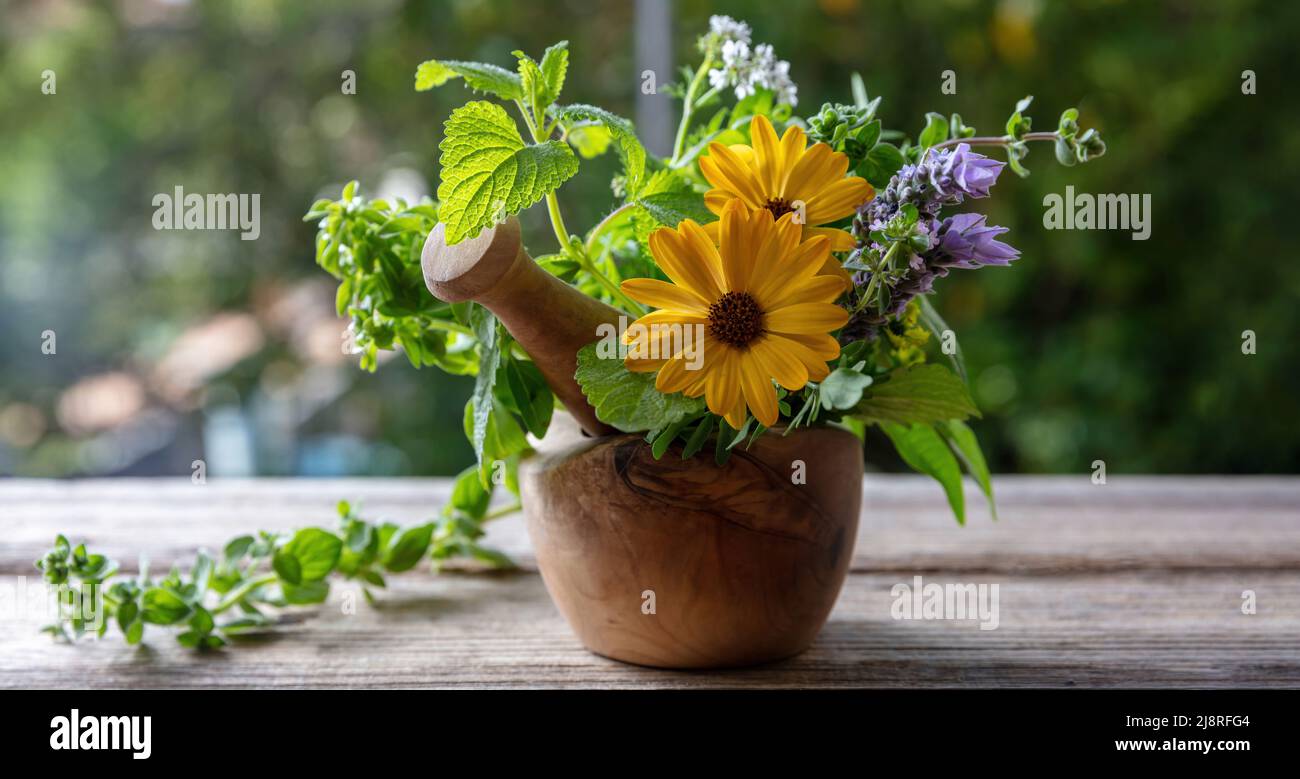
964 241
945 177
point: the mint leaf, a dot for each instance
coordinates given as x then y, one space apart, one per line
967 448
925 451
555 64
627 400
478 76
670 208
488 171
484 325
630 150
923 394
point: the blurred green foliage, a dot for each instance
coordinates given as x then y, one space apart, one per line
1093 346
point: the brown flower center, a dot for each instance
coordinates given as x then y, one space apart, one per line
779 207
735 319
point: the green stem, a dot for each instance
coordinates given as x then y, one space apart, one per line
562 233
236 595
501 512
600 226
688 107
996 140
454 327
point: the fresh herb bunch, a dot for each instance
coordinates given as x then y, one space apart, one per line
866 365
240 590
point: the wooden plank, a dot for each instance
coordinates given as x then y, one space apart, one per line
1047 524
1163 629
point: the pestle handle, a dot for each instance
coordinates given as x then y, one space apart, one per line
550 319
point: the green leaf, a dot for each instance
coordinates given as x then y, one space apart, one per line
482 401
630 150
925 451
698 437
881 163
926 394
236 549
627 400
671 208
315 551
555 64
478 76
530 395
287 567
468 494
163 607
591 140
936 325
843 388
936 131
967 448
488 171
305 593
408 548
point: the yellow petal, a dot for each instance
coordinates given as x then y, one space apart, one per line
838 200
818 289
823 346
760 395
716 199
724 169
674 377
682 261
812 362
703 246
780 363
767 155
841 240
800 262
816 169
721 381
776 242
734 246
661 294
806 318
792 149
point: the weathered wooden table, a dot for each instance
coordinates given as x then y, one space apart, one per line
1139 582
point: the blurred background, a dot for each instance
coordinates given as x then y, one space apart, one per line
171 347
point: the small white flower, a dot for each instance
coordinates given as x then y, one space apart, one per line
726 29
745 70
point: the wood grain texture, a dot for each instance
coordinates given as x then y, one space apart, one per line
1124 629
1135 583
759 559
551 320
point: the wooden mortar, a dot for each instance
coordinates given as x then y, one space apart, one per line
670 563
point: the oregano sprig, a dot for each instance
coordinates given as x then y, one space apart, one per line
242 589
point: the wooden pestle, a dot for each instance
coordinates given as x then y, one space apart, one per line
550 319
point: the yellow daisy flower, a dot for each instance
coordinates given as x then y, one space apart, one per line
759 302
779 174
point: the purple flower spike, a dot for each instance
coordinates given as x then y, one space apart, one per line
965 241
972 172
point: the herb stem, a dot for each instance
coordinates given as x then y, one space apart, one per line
453 327
236 595
996 140
688 107
497 513
577 253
